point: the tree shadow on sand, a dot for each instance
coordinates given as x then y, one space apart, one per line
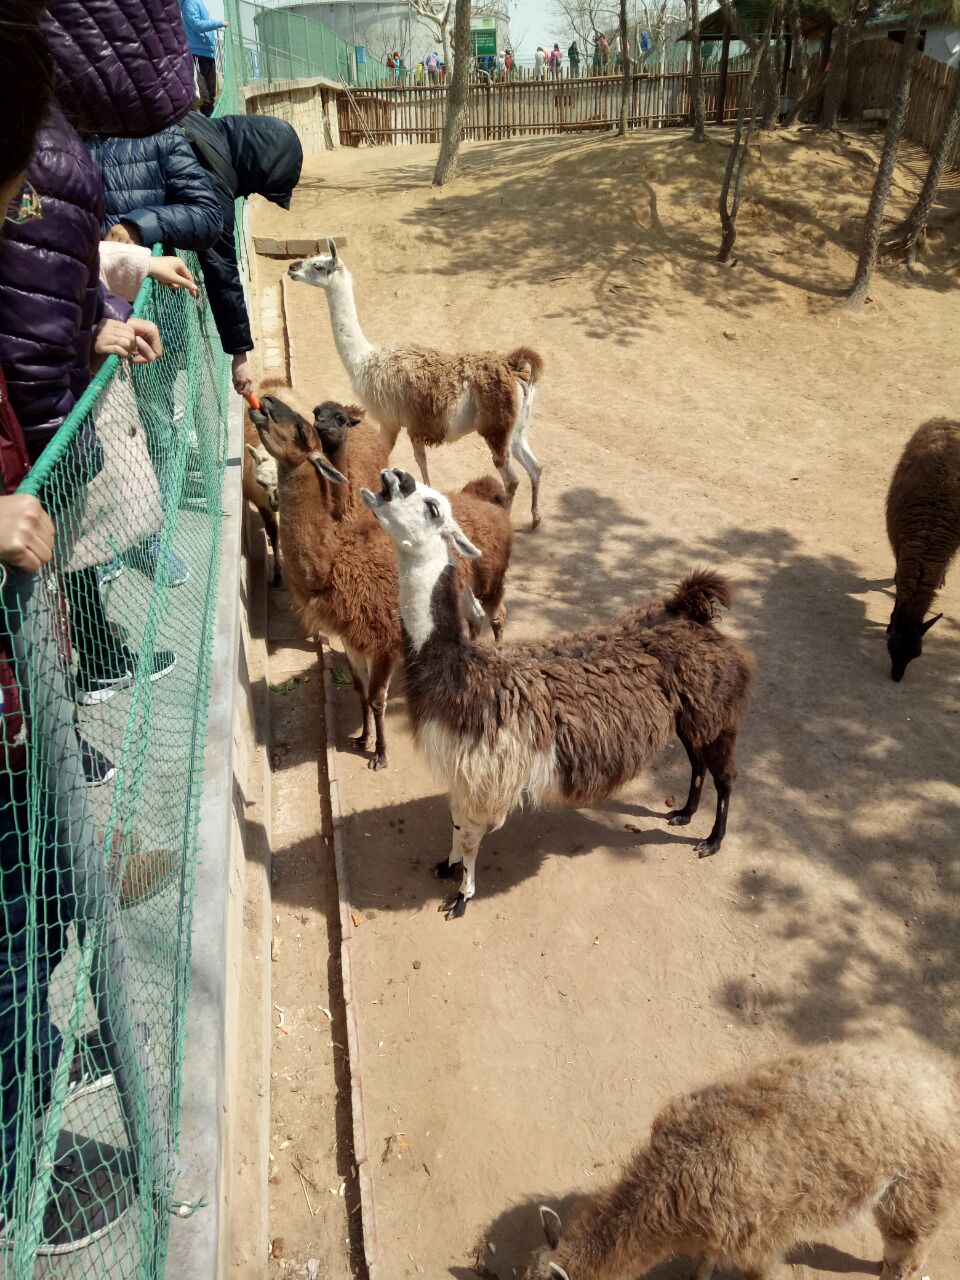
828 740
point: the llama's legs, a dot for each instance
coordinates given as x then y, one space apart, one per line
360 671
420 453
473 611
379 684
498 621
705 1269
467 837
449 866
509 475
524 455
273 533
718 757
680 817
908 1215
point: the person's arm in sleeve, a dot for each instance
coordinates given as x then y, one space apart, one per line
191 217
221 275
124 267
195 15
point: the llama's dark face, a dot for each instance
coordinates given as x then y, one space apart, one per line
414 515
542 1265
332 423
317 271
905 641
290 439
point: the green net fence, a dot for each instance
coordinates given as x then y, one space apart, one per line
105 686
263 44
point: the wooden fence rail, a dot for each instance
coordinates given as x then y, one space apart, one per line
408 114
871 81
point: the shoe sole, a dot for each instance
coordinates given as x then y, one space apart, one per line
102 781
94 697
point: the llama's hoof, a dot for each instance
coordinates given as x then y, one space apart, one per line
277 579
678 818
453 907
445 869
535 522
707 848
378 762
360 742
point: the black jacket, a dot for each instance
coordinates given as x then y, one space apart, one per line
243 156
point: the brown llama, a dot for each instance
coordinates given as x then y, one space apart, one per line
923 524
341 568
259 482
567 722
438 398
737 1172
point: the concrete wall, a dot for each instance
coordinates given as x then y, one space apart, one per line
310 105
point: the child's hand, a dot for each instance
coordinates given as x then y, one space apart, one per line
26 532
174 273
114 338
147 337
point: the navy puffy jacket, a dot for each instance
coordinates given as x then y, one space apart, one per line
157 184
243 155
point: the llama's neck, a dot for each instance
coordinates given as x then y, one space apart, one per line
918 580
352 346
305 539
617 1233
425 609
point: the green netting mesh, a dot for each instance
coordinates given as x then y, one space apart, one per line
263 44
99 789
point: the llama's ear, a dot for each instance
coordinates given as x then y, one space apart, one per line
460 542
558 1271
253 452
326 470
355 414
927 625
552 1225
332 246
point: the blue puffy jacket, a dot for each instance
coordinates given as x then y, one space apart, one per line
157 184
200 27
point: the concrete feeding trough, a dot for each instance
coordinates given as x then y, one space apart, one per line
297 247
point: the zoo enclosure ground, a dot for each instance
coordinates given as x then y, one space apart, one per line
689 414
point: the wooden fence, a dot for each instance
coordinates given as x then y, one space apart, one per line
871 82
405 114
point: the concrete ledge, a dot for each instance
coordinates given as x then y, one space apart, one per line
266 87
195 1242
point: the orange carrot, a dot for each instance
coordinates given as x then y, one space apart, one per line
252 400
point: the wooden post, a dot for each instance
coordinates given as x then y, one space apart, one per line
787 59
724 68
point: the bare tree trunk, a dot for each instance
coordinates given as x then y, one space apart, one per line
888 159
771 72
737 159
836 78
697 104
905 239
448 53
456 97
799 58
625 60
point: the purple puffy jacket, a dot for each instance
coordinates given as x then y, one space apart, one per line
122 67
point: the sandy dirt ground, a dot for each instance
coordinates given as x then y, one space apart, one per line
689 414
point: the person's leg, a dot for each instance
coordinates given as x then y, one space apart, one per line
207 82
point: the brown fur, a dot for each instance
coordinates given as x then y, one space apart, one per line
600 703
254 494
738 1171
923 524
342 568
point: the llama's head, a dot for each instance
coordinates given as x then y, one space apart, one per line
290 439
332 423
265 474
319 270
905 640
543 1266
414 516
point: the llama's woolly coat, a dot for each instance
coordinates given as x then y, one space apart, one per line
739 1170
415 387
574 719
923 513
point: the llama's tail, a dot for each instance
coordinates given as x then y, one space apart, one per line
488 489
701 594
527 365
